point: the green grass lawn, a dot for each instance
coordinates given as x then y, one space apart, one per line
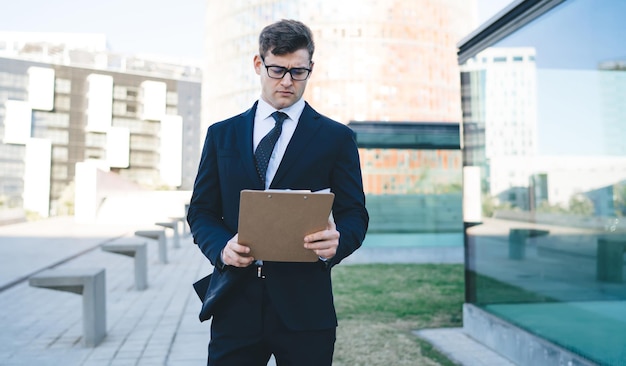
379 305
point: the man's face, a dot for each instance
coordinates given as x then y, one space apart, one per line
282 93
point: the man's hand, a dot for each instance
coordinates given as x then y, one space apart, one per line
324 243
235 254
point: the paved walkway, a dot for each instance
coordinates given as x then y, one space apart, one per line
29 247
157 326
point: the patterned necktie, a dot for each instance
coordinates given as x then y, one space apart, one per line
264 150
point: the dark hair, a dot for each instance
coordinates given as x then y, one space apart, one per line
286 36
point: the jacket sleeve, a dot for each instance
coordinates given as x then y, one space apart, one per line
349 210
205 216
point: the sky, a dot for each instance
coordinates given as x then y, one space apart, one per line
149 27
155 27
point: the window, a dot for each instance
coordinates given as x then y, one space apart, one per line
62 86
552 180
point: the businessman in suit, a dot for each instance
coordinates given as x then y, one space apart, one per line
260 308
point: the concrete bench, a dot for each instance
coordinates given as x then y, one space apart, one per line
159 236
136 249
183 220
91 283
610 258
174 226
517 241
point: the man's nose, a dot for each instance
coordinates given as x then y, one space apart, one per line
286 80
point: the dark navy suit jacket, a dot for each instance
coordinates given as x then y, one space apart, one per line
321 154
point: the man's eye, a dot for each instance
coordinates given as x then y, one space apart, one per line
277 70
298 72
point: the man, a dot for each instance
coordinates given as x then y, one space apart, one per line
260 308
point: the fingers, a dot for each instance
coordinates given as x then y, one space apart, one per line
324 243
235 254
326 253
324 249
329 234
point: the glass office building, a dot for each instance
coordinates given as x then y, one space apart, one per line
544 164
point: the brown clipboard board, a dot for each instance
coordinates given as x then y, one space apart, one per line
273 223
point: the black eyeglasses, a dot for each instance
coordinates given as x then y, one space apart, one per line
279 72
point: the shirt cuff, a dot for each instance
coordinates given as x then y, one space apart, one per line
219 264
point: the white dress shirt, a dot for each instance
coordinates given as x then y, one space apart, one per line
264 122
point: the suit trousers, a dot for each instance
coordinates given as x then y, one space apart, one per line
271 337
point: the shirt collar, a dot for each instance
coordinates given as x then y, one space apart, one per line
264 110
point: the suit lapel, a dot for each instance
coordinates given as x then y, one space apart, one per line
244 131
302 137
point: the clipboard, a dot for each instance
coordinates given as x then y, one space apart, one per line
273 223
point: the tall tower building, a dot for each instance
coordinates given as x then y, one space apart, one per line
509 84
374 60
500 113
612 77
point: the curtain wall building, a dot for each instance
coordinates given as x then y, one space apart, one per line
544 164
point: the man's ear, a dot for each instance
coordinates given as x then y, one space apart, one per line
258 63
311 66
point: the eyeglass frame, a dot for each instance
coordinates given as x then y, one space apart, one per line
285 71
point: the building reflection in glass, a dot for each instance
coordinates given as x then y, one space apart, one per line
544 121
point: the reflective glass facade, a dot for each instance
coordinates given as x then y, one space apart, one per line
412 181
544 122
413 197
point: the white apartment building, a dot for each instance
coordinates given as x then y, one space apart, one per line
63 103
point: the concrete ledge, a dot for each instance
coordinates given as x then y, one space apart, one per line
516 344
137 250
174 226
91 283
460 348
159 236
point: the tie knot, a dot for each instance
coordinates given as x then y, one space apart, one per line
279 117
